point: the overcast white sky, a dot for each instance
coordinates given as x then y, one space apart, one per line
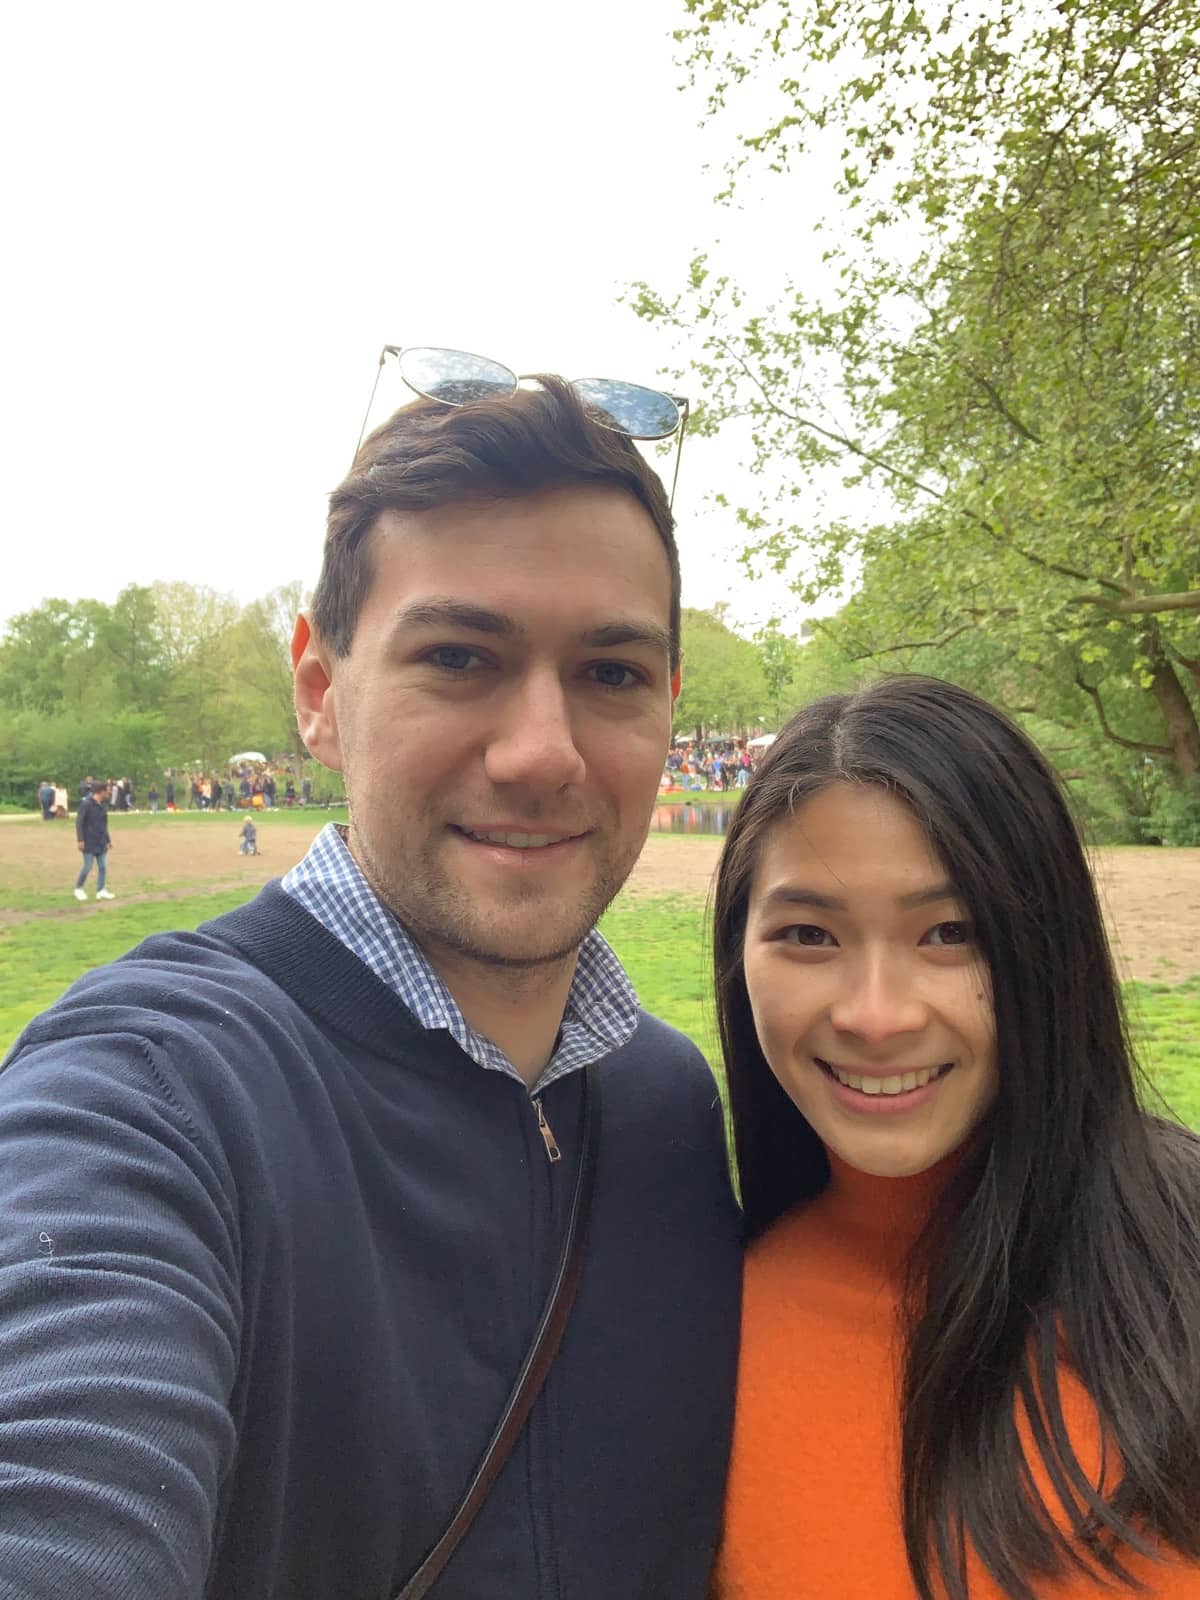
214 218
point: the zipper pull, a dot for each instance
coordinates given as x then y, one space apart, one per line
547 1132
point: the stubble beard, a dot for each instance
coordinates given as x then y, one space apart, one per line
442 915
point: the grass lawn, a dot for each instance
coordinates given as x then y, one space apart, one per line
661 938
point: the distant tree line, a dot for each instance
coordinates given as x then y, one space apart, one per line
168 675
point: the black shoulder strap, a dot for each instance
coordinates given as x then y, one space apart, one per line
538 1358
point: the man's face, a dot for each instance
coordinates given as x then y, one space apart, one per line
502 717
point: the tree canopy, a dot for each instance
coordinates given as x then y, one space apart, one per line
1007 339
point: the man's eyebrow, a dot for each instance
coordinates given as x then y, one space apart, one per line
797 895
639 632
449 613
446 612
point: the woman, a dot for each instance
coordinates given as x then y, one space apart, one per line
971 1334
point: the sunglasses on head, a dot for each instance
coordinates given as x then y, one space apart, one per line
457 378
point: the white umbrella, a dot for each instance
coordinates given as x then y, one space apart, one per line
247 755
763 740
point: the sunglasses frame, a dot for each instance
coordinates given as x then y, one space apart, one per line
680 402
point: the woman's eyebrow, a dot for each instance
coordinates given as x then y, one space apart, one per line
797 895
928 897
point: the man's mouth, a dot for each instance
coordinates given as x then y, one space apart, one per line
514 840
895 1083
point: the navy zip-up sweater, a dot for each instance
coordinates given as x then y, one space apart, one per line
270 1257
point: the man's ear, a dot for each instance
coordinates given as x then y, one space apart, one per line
316 703
676 684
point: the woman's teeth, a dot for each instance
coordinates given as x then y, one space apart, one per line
898 1083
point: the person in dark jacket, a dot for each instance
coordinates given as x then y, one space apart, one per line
284 1198
93 838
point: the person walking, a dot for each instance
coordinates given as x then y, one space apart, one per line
46 799
93 839
152 796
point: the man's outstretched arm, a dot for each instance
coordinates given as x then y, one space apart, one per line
118 1327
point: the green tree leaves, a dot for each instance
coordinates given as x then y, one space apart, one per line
1006 344
168 675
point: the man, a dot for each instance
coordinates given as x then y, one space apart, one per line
46 799
93 839
283 1199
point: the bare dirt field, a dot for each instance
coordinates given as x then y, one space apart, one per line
1151 897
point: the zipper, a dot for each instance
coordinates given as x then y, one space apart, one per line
553 1153
547 1194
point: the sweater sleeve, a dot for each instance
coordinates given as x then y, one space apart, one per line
119 1326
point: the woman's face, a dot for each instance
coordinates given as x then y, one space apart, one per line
870 997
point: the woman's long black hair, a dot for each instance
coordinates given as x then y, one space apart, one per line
1073 1226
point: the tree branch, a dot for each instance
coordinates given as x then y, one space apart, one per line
1141 604
852 445
1126 744
998 404
916 644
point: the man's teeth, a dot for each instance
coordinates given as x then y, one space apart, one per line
519 841
899 1083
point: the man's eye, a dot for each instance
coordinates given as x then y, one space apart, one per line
614 675
948 933
808 934
453 657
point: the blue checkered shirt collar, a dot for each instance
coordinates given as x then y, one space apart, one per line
601 1010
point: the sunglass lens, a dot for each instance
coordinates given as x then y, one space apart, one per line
628 408
454 377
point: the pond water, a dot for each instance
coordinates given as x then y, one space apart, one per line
692 819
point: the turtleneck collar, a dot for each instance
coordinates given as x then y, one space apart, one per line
882 1217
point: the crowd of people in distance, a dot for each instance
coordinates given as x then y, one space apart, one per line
714 765
241 788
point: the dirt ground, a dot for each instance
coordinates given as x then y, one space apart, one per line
1151 897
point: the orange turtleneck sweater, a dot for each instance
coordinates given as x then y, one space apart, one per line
813 1499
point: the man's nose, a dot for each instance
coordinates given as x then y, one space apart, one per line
879 1000
535 742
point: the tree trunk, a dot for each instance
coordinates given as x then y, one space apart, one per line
1183 730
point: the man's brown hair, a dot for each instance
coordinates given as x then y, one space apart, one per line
429 454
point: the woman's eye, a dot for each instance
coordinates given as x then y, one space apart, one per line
947 933
809 935
614 675
453 657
